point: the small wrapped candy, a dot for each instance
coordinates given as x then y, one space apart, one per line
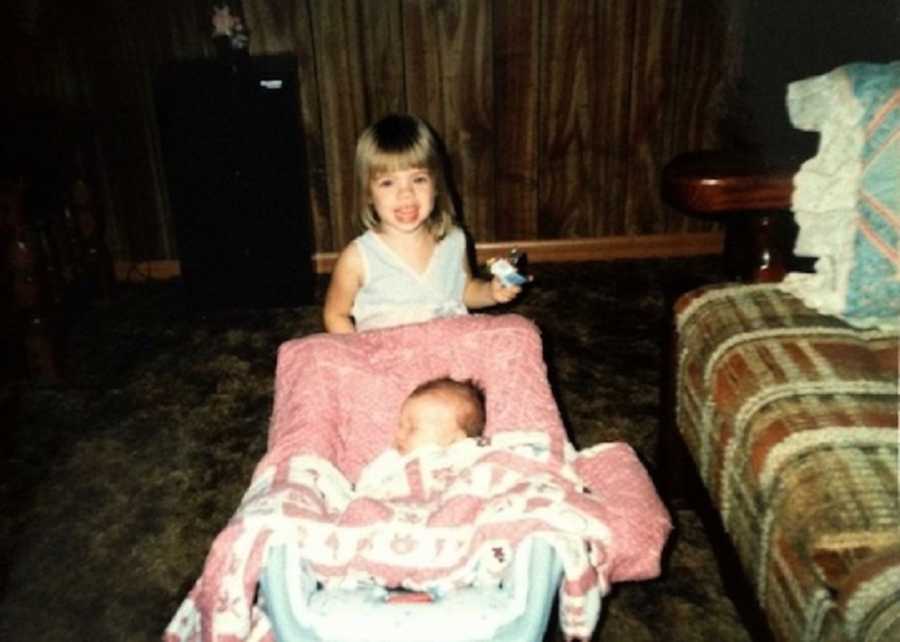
507 269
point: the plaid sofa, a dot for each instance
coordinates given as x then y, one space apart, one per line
791 418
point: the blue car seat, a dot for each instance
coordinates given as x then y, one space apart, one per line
516 611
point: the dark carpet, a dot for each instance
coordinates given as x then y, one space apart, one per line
117 481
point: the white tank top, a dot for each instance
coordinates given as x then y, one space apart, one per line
393 293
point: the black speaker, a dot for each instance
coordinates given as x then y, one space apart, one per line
234 160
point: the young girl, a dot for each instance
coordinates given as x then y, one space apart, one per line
410 265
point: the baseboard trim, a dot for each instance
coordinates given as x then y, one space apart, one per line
547 251
142 271
592 249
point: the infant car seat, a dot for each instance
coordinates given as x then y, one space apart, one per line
337 403
366 386
516 611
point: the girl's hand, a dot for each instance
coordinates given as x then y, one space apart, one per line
482 293
503 293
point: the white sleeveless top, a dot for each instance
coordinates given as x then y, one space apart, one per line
393 293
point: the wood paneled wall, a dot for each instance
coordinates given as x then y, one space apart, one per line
558 115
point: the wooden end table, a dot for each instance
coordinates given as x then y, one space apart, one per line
750 195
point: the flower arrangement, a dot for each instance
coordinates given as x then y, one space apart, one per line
229 28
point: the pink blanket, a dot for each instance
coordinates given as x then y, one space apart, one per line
337 400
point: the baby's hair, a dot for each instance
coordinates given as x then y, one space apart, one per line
399 142
471 415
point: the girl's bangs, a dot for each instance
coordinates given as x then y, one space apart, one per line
413 158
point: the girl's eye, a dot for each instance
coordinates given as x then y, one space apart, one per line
422 179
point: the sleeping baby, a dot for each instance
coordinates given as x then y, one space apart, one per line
437 414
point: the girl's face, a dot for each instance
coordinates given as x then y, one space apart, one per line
403 199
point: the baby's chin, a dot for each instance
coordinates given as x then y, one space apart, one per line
415 450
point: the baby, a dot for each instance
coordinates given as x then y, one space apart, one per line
438 413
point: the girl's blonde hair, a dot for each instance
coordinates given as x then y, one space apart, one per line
399 142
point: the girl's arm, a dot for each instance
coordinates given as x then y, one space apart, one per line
346 279
482 294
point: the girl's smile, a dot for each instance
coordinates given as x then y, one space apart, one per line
403 199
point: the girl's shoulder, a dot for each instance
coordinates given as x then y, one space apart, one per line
350 258
454 235
364 240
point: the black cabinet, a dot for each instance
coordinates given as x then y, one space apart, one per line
233 154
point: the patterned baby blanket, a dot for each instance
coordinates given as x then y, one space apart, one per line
445 520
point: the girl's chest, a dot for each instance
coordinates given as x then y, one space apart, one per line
416 258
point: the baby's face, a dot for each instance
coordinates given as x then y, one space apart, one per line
427 420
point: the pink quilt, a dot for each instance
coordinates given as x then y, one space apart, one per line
337 401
